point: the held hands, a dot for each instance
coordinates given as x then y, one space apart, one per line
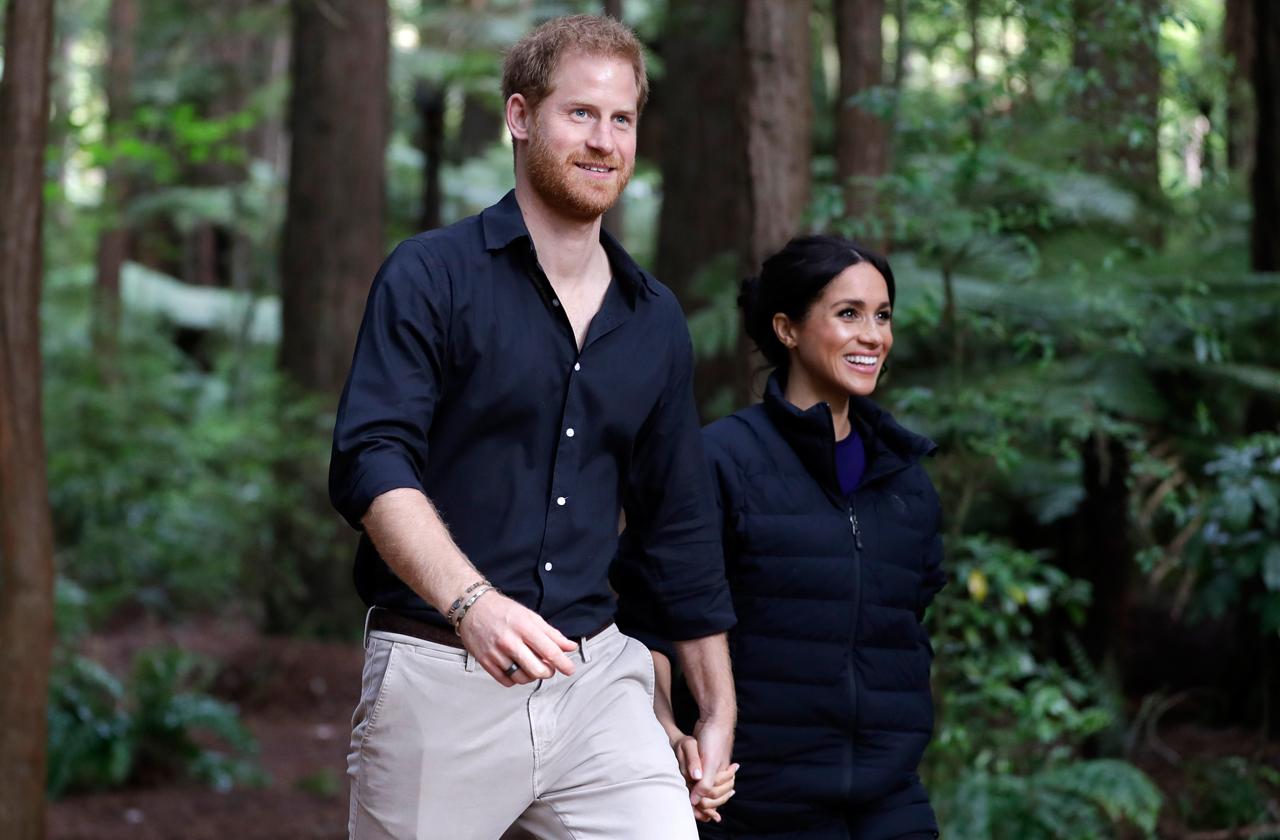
498 632
706 794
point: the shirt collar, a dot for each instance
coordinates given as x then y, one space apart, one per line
503 223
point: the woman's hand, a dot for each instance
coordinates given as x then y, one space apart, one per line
722 789
686 747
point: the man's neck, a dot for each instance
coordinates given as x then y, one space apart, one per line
568 248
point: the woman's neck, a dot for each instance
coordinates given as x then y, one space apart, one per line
803 394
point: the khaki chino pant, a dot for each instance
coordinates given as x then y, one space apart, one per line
439 749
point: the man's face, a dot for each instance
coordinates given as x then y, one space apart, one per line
582 137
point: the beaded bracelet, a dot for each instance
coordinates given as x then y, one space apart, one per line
453 608
457 622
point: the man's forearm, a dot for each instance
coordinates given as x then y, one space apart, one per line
414 541
706 667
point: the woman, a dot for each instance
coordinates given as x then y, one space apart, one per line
832 550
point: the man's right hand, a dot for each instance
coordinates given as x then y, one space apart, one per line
497 631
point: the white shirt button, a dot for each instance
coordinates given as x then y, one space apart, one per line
577 366
568 432
560 500
547 567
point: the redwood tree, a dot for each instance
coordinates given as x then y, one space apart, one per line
735 149
1238 44
26 536
338 118
122 23
333 242
1115 49
861 136
1265 235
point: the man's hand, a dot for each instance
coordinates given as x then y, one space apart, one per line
497 631
690 760
715 746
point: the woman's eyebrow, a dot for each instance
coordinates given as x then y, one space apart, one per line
855 303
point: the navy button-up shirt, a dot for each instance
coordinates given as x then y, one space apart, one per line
467 384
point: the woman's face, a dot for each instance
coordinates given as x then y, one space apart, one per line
841 345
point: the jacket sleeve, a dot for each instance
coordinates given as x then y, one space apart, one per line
935 576
384 417
672 543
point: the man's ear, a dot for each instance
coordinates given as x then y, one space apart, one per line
519 115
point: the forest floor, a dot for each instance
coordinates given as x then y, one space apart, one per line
296 696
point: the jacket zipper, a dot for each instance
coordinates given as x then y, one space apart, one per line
857 603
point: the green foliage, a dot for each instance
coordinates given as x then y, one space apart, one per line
1085 800
1238 546
1229 792
325 783
104 736
89 732
165 477
173 719
1004 762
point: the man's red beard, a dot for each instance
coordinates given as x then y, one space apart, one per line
554 180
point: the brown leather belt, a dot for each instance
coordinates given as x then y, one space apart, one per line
393 622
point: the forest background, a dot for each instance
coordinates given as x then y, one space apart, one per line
1080 199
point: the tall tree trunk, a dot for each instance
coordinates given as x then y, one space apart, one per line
973 14
736 176
615 220
333 242
1265 234
122 24
237 57
333 232
779 114
480 128
1238 44
901 48
1121 110
1101 550
429 100
26 535
862 150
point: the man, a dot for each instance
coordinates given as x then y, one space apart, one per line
519 378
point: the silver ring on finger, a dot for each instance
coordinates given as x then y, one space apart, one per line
511 669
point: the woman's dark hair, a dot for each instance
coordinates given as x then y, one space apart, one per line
792 279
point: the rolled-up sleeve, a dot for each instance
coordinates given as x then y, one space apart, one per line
672 546
397 373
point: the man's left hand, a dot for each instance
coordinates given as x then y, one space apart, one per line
715 747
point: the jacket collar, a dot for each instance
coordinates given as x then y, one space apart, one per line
811 433
503 224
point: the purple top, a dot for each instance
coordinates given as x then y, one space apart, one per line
851 461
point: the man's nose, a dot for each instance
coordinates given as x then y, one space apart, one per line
601 138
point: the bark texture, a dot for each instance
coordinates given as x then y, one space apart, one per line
1118 42
615 220
429 101
1265 235
735 150
26 537
1238 44
333 233
861 137
122 23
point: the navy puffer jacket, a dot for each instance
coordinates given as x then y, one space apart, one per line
830 659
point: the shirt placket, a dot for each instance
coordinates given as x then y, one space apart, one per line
554 561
